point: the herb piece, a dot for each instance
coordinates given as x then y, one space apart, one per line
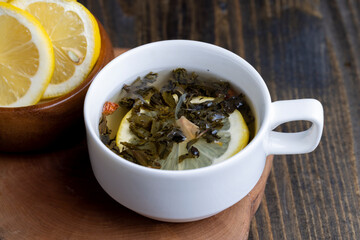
104 130
193 152
179 104
109 108
168 99
189 129
127 103
141 88
176 135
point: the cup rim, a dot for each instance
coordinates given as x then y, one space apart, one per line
258 138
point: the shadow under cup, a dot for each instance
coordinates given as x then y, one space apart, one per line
188 195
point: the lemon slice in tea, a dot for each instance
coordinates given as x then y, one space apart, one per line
75 35
234 136
26 58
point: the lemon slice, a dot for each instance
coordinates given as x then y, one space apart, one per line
75 35
234 137
26 58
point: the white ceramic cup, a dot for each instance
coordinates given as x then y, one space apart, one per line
180 196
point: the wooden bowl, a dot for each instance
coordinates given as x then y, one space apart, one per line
60 119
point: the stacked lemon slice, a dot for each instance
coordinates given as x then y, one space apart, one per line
26 58
47 48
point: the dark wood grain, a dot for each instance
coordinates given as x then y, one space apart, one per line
307 48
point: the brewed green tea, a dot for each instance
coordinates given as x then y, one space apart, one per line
176 120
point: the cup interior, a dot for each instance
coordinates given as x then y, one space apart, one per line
168 55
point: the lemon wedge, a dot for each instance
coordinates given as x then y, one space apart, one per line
26 58
234 137
74 33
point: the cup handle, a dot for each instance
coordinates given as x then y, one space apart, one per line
295 110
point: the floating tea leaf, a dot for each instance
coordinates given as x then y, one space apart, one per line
162 119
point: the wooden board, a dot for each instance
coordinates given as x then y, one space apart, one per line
54 195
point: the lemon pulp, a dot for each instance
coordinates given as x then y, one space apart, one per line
26 58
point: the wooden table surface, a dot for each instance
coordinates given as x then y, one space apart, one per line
302 49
